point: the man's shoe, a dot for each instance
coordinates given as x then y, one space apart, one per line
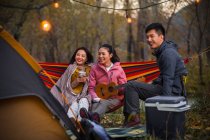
84 113
95 117
132 120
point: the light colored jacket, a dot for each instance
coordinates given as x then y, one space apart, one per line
99 75
66 89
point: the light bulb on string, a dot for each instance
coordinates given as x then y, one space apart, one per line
46 26
56 5
129 20
128 17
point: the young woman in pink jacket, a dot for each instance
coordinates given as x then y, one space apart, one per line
107 70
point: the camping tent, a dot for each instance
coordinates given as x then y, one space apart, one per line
27 109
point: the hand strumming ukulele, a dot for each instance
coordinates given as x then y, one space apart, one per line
106 91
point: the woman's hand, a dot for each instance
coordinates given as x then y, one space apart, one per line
78 80
82 79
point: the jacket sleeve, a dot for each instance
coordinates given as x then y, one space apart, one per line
167 68
122 77
92 84
121 80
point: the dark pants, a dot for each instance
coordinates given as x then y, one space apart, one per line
137 90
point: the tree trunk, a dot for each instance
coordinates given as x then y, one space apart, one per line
130 41
97 24
189 36
200 41
130 38
208 53
21 22
50 48
172 15
200 61
113 24
140 35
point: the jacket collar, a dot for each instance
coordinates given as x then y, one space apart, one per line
158 50
116 64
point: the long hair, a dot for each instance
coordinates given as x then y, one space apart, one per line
112 51
89 55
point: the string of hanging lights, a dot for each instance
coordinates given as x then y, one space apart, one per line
46 25
123 9
55 4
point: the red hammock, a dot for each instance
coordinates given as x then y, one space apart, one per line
133 70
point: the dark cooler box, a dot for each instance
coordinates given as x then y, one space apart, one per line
165 116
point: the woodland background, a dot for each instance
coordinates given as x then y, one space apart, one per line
90 23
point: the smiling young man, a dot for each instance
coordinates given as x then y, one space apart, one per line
169 83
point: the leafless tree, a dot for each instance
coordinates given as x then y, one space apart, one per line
176 2
202 16
113 24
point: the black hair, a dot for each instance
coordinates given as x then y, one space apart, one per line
89 55
156 26
112 51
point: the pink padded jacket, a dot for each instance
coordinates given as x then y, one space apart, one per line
99 74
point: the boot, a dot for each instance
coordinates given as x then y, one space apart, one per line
131 120
95 117
84 113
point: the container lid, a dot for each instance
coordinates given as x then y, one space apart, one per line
165 99
174 109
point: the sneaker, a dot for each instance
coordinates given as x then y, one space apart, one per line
95 117
132 120
84 113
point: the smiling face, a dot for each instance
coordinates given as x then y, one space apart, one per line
154 39
81 57
104 57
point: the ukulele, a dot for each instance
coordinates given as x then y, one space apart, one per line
106 91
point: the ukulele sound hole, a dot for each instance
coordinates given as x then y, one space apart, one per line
102 91
111 89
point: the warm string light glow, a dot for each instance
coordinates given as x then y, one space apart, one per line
197 1
129 19
56 4
45 25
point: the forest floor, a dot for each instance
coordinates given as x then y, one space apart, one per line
197 123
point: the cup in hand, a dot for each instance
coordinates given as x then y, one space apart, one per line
82 73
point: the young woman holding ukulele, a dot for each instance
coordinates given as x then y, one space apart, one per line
71 89
107 71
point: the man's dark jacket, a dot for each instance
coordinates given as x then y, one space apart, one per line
171 67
